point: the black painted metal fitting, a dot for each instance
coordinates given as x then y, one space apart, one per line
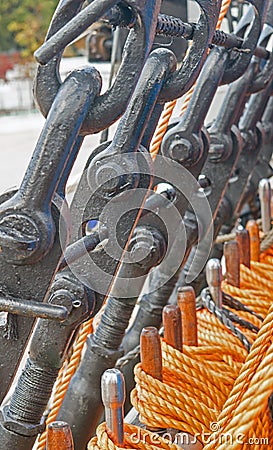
220 147
186 150
49 343
30 308
19 236
19 427
31 395
112 174
147 247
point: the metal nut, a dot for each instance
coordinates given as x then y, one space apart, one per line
180 149
25 429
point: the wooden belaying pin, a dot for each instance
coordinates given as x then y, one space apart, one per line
254 236
187 305
265 202
172 326
232 257
59 436
151 360
214 280
243 239
113 398
150 352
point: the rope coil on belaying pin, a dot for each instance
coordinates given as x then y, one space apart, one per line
252 286
160 405
174 369
261 347
189 373
246 410
114 433
183 372
187 396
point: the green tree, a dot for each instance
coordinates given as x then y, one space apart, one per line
24 24
7 38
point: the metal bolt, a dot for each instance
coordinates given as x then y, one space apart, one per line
113 398
214 279
19 236
265 200
141 251
76 303
216 151
30 308
180 149
108 177
167 190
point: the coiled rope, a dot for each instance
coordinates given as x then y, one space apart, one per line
196 382
253 379
191 394
246 411
134 438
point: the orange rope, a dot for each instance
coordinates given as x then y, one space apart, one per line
134 438
258 301
224 9
246 410
259 349
216 382
182 400
161 128
253 401
250 279
262 268
192 393
199 389
160 405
